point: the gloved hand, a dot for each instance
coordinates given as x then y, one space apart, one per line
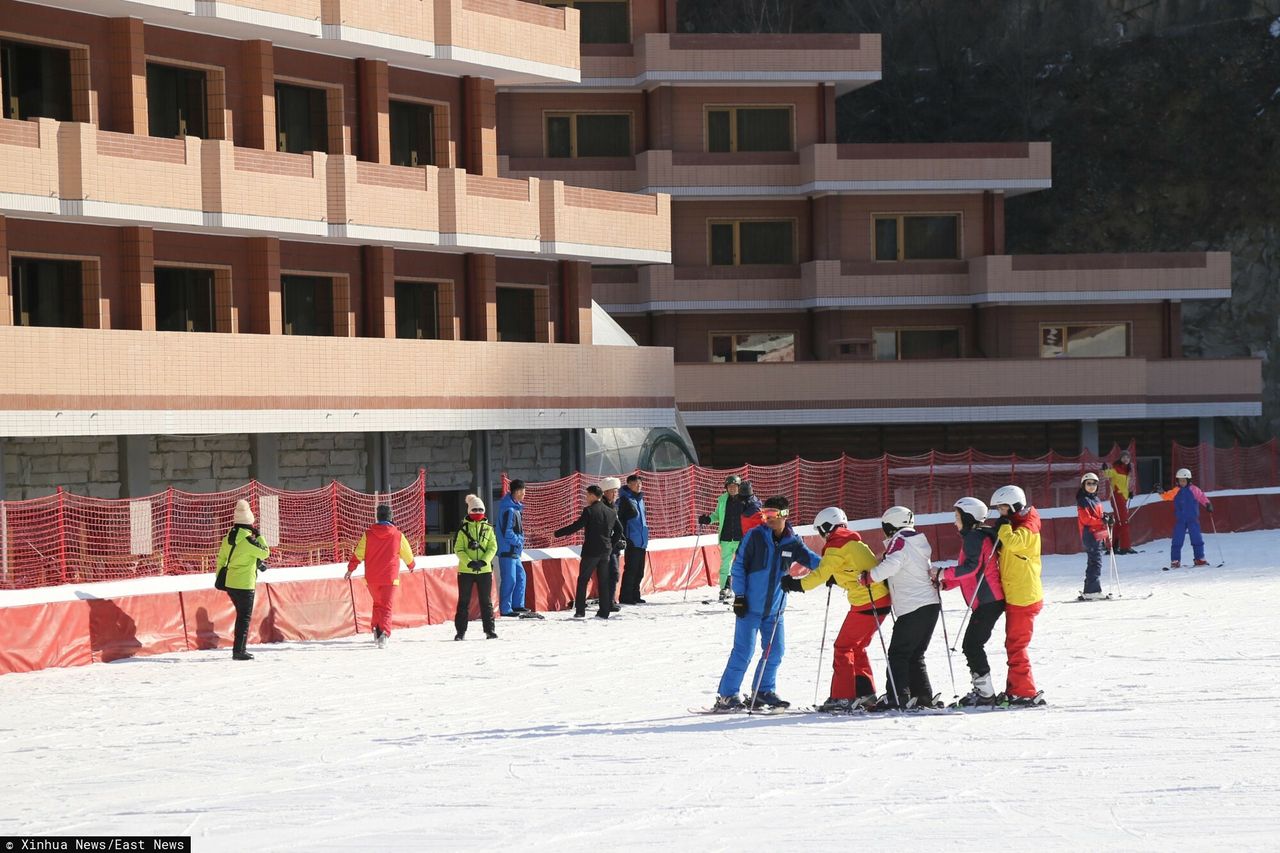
1001 521
739 606
1209 507
831 581
476 564
790 584
1108 519
865 579
704 519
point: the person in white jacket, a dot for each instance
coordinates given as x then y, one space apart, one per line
905 567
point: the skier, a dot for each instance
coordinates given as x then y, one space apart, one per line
600 524
510 530
1018 537
762 560
727 517
1120 474
844 558
1091 523
609 488
977 575
916 604
381 548
636 528
476 545
750 508
240 559
1187 500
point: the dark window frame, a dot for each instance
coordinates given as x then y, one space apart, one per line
573 117
188 272
198 128
317 96
897 332
12 102
324 318
418 284
900 242
734 126
736 225
26 292
734 345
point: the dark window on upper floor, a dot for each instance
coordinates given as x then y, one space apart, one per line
307 304
184 300
907 344
413 134
302 118
588 134
908 237
600 21
752 347
517 314
177 102
752 241
1085 340
36 81
47 292
417 310
748 129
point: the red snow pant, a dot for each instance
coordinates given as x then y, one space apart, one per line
384 598
1019 621
852 677
1121 529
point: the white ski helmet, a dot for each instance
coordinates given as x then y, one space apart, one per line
972 507
1089 478
1183 474
897 517
829 519
1011 495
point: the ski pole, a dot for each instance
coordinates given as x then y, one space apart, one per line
942 617
688 571
1115 570
1222 560
1140 506
982 576
875 614
768 649
817 679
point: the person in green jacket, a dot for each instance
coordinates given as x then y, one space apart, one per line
476 545
241 552
728 520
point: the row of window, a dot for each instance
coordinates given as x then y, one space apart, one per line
727 129
898 237
49 292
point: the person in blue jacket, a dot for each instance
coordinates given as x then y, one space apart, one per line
763 558
510 530
635 527
1187 500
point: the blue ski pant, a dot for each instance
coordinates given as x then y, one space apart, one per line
1181 528
1093 567
745 632
512 592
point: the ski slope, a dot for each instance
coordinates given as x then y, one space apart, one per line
1163 733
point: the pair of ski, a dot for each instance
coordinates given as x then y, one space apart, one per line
1080 599
1205 566
860 711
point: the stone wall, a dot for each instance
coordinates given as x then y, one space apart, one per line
35 467
213 463
532 455
445 455
311 460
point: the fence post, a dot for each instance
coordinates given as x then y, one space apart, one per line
333 508
165 562
62 535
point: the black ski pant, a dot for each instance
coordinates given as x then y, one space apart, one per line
599 566
911 635
981 623
483 583
1093 563
243 601
632 575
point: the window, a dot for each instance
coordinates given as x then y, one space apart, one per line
917 238
177 103
600 21
47 293
417 310
1098 340
853 350
753 347
589 135
752 241
749 129
302 119
184 300
308 305
36 81
906 344
413 134
517 314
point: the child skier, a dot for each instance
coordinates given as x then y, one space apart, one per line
844 558
1091 524
381 548
977 575
1120 475
476 545
1018 537
1187 500
762 561
727 517
916 604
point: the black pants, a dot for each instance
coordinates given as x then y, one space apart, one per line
600 566
483 583
1093 550
243 601
911 635
976 635
632 575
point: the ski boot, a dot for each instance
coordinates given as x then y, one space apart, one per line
727 705
1023 701
864 703
838 706
382 641
726 596
490 635
934 701
767 700
888 702
1175 564
982 694
1091 596
1202 562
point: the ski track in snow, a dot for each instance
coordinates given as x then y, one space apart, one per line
1162 733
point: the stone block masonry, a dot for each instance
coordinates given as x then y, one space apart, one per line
212 463
36 466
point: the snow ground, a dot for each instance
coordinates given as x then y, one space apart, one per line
1162 734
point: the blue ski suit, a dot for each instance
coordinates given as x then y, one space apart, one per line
1187 501
510 529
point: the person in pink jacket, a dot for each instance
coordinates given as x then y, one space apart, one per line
977 575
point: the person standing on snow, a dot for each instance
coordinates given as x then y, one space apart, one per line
240 558
750 508
609 487
381 548
636 527
510 530
476 545
977 575
727 516
916 604
1091 524
844 558
1120 475
599 523
1018 538
763 559
1187 500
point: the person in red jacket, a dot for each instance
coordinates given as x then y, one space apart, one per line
1121 476
382 547
1091 527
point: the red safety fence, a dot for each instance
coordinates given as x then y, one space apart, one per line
863 488
66 538
1229 467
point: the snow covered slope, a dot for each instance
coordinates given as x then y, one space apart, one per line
1163 733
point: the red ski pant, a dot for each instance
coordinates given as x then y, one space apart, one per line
852 677
384 598
1019 622
1121 529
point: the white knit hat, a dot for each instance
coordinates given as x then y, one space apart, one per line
243 515
474 504
610 483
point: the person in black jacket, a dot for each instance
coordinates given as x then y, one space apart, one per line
599 522
609 487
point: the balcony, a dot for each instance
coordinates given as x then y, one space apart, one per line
827 392
1011 168
77 172
112 382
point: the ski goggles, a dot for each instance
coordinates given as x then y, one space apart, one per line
769 513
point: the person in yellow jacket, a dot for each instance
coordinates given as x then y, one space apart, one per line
844 557
476 545
242 551
1120 475
1018 537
